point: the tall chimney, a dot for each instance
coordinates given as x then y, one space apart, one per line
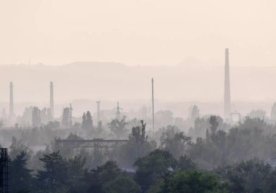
52 107
152 102
227 93
11 100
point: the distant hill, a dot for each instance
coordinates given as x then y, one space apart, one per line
116 81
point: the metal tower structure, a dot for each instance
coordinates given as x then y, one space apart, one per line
227 93
89 143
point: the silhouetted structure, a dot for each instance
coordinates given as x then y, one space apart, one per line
11 101
99 113
89 143
52 108
227 94
4 171
87 121
118 111
67 117
194 114
139 133
36 117
273 112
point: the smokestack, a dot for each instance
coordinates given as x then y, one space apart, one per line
227 94
52 108
11 100
152 101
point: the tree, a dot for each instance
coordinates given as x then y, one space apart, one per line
76 171
54 175
118 127
83 124
248 176
106 173
192 182
87 122
199 128
270 186
66 150
175 142
153 167
17 147
185 164
21 179
137 146
122 184
214 122
139 133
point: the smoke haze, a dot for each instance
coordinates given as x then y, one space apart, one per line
137 32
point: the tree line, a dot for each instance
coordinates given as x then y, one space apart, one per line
236 161
157 172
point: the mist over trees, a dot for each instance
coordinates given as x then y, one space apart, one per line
137 96
211 156
140 150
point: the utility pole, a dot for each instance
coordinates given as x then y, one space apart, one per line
152 98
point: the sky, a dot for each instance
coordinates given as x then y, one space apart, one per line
138 32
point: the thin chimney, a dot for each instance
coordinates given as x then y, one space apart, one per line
227 93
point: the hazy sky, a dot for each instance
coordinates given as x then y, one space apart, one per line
145 32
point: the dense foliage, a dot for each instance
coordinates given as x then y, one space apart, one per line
238 160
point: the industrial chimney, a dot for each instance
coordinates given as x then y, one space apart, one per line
227 93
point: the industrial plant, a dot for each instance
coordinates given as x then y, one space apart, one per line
128 96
